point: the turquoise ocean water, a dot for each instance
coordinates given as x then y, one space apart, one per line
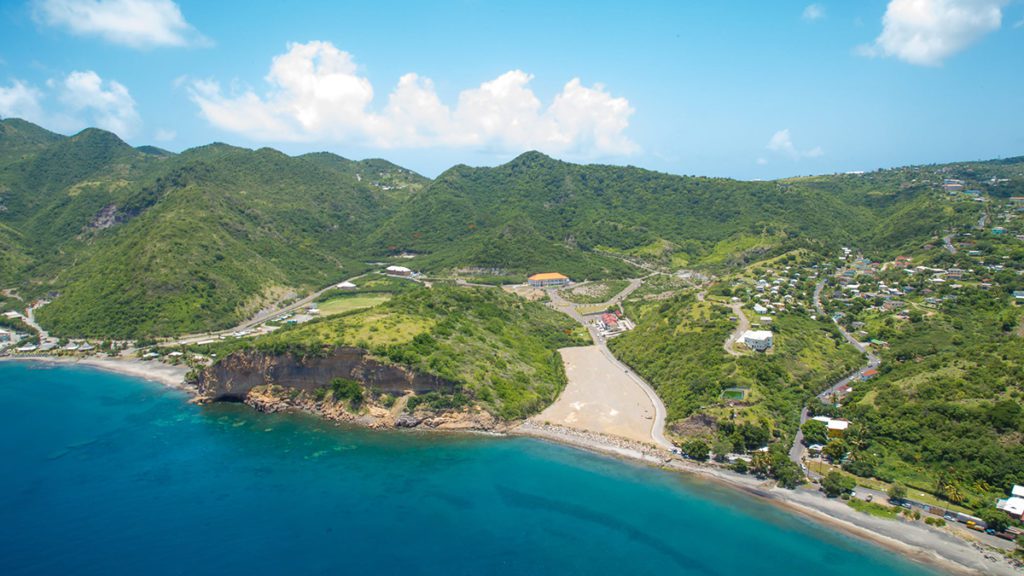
105 474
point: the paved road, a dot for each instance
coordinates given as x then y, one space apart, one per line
947 240
742 325
660 413
796 452
255 320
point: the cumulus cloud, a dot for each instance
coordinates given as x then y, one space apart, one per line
20 100
134 23
782 142
926 32
107 105
316 94
85 98
814 12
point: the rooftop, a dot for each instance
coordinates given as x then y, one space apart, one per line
548 276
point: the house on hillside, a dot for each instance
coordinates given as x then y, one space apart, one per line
398 271
868 374
1014 505
346 285
547 279
836 426
999 230
759 340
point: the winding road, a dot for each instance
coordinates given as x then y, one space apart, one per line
259 318
796 452
742 325
660 413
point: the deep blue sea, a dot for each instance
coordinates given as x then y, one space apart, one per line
105 474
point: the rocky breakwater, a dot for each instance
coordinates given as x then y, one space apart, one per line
276 382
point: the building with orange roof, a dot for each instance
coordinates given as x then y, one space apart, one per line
547 279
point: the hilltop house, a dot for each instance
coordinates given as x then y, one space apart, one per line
346 285
759 340
398 271
547 279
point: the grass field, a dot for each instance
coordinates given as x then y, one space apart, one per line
342 304
874 509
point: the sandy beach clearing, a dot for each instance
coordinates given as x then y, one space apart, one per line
599 398
152 370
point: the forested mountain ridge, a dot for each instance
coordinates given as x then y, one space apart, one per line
132 242
138 244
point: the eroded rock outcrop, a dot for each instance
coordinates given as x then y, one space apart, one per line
234 377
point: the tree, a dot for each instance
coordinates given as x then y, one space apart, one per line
696 449
897 492
860 464
994 518
836 483
761 463
740 465
721 447
815 432
835 450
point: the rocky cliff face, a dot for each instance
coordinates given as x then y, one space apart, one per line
234 377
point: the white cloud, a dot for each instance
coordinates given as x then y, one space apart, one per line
87 100
926 32
20 100
317 95
108 105
134 23
761 161
164 135
1019 24
782 142
814 12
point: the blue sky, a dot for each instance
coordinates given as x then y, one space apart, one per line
739 89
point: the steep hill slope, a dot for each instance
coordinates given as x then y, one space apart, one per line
140 244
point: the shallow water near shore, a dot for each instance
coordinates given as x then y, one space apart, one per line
107 474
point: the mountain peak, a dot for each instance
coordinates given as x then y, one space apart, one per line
531 158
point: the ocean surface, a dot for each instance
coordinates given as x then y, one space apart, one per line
106 474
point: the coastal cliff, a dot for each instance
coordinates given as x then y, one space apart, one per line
275 382
234 377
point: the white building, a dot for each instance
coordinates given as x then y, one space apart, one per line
759 340
760 309
398 271
346 285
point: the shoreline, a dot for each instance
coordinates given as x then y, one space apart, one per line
169 375
910 540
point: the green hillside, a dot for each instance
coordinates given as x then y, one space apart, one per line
500 350
142 244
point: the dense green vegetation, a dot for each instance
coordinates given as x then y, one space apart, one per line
677 347
500 350
141 244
